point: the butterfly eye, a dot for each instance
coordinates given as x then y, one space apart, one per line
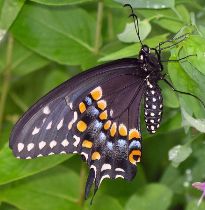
145 49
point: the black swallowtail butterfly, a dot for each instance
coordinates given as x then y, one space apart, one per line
96 114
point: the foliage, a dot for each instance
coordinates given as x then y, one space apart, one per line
45 42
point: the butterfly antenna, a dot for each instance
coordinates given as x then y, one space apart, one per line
135 19
185 93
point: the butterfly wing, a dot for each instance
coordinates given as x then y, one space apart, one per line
95 114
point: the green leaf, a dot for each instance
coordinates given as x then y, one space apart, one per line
155 4
195 45
155 196
188 120
129 33
168 19
133 49
59 187
55 35
179 153
60 2
105 202
184 82
24 61
12 169
193 205
9 9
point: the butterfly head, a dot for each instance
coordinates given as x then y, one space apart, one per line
150 57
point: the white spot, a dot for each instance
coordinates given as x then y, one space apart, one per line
147 99
157 125
152 127
152 114
145 120
20 147
119 176
75 117
154 99
150 86
51 153
65 143
153 131
152 92
40 155
119 169
75 152
148 83
85 155
60 124
152 121
104 177
106 167
46 110
70 105
154 107
141 57
28 157
52 144
49 125
159 113
42 144
30 146
145 113
158 120
63 152
77 140
44 120
111 112
35 130
146 106
160 106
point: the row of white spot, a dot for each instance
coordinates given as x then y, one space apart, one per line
52 144
108 167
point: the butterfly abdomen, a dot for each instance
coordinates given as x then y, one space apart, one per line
153 107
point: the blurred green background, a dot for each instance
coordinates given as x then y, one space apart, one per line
45 42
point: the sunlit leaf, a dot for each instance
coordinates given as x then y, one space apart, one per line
129 33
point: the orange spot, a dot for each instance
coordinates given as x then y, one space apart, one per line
103 115
82 107
134 133
133 159
95 156
107 125
81 126
87 144
113 129
122 130
96 93
102 104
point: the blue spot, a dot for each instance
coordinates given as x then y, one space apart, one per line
110 145
93 111
88 101
102 137
121 143
135 144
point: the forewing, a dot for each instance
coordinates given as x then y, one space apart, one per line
95 114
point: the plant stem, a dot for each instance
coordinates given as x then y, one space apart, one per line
82 185
110 26
98 26
6 79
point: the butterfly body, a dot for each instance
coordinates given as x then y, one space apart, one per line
97 115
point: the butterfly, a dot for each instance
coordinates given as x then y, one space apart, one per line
97 114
